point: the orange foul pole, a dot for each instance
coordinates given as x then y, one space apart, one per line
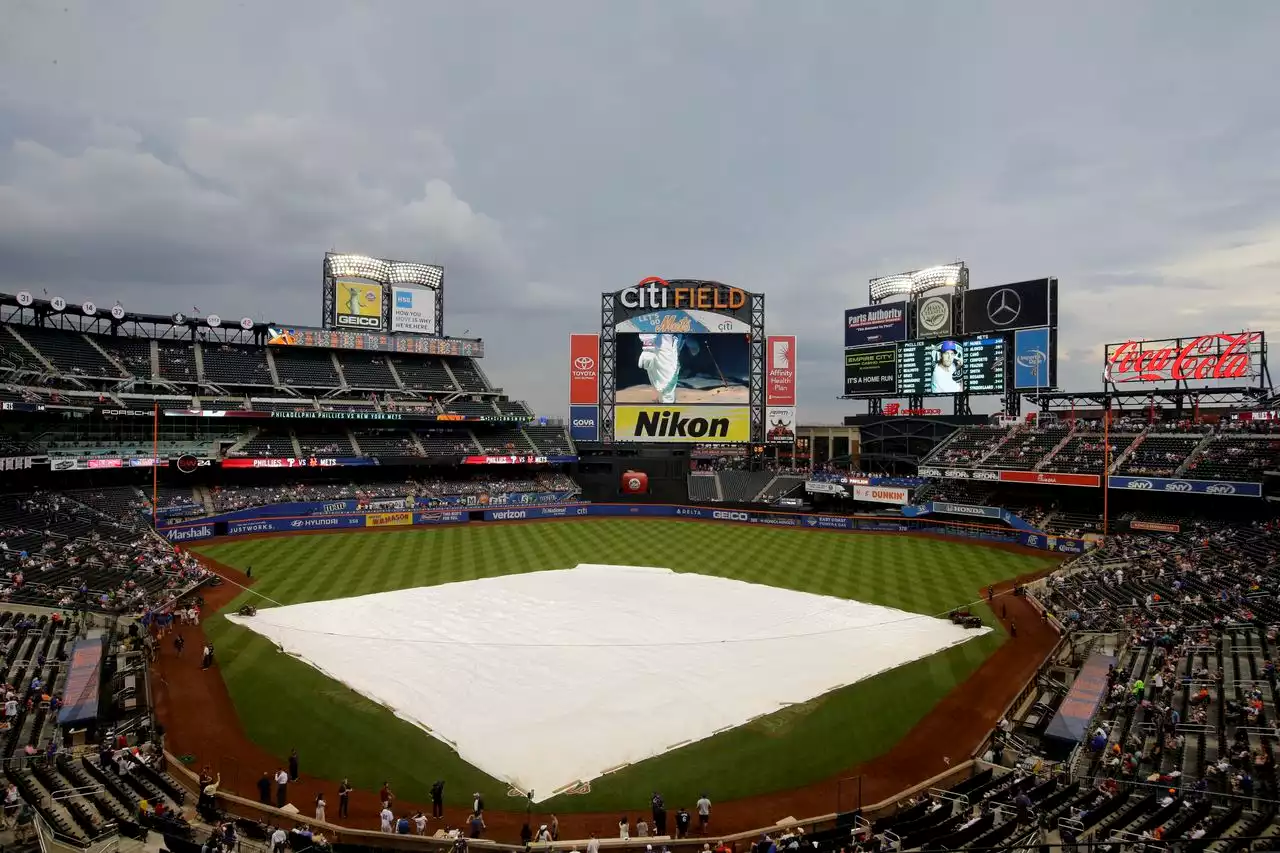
155 455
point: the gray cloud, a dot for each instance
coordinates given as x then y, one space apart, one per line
172 155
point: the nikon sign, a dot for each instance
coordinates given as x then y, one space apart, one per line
682 424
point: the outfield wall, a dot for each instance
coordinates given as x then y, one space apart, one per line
270 522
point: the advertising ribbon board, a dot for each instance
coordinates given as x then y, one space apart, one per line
1186 487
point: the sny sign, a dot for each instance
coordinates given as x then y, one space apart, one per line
1206 358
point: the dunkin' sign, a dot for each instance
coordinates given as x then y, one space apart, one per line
1206 358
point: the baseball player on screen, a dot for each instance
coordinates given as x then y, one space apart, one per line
947 373
660 358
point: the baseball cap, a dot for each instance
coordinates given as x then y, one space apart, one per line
950 346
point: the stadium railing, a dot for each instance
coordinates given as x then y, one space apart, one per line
253 810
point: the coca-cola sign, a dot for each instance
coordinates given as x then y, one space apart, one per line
1204 359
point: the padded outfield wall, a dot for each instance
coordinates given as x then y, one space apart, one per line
269 522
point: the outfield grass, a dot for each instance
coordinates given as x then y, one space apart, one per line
284 703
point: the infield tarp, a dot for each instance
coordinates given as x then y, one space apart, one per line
1072 720
84 679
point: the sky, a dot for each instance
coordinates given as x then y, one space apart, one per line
181 155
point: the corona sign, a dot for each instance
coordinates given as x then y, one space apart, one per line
1206 358
657 294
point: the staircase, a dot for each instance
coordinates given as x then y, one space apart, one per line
999 444
124 371
760 494
1058 447
297 448
1196 451
355 445
719 488
1128 451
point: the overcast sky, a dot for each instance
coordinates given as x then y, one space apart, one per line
174 155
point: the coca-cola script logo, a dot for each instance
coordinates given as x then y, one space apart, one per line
1204 358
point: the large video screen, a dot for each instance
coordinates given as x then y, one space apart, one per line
972 365
684 369
870 370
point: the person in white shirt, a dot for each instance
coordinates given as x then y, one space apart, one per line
704 813
593 846
282 788
624 829
947 370
278 840
386 818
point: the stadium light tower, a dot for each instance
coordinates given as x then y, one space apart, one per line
912 284
387 272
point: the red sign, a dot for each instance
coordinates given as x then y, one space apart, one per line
286 462
1045 478
780 371
584 370
1202 359
634 483
1158 526
896 409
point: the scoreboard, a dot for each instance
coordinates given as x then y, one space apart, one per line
870 370
932 368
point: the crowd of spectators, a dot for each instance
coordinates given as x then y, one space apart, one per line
230 498
61 553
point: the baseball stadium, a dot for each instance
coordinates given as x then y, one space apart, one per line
333 587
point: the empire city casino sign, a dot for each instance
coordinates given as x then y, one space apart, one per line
657 294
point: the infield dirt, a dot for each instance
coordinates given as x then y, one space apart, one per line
200 720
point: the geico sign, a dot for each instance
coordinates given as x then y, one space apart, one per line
359 322
656 293
730 516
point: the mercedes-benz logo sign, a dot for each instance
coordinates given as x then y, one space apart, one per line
935 314
584 362
1004 307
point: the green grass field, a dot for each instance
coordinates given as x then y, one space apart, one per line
283 702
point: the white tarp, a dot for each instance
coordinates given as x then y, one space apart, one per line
548 678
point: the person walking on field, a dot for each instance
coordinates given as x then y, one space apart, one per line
704 813
293 764
344 798
282 788
437 798
320 807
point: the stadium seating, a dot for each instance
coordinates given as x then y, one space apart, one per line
550 440
1086 452
233 366
966 446
505 441
387 442
306 368
133 353
1024 450
1159 454
424 374
366 372
177 362
743 486
70 353
468 376
1239 458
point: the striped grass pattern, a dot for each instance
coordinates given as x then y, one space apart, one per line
285 703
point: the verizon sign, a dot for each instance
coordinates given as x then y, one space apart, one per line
881 494
1206 359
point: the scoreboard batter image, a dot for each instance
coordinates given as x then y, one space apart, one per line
683 368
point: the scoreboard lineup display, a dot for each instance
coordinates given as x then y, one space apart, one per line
991 340
972 365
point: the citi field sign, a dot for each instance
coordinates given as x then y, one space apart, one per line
658 294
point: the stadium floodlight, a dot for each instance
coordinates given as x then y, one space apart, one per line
384 272
918 281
